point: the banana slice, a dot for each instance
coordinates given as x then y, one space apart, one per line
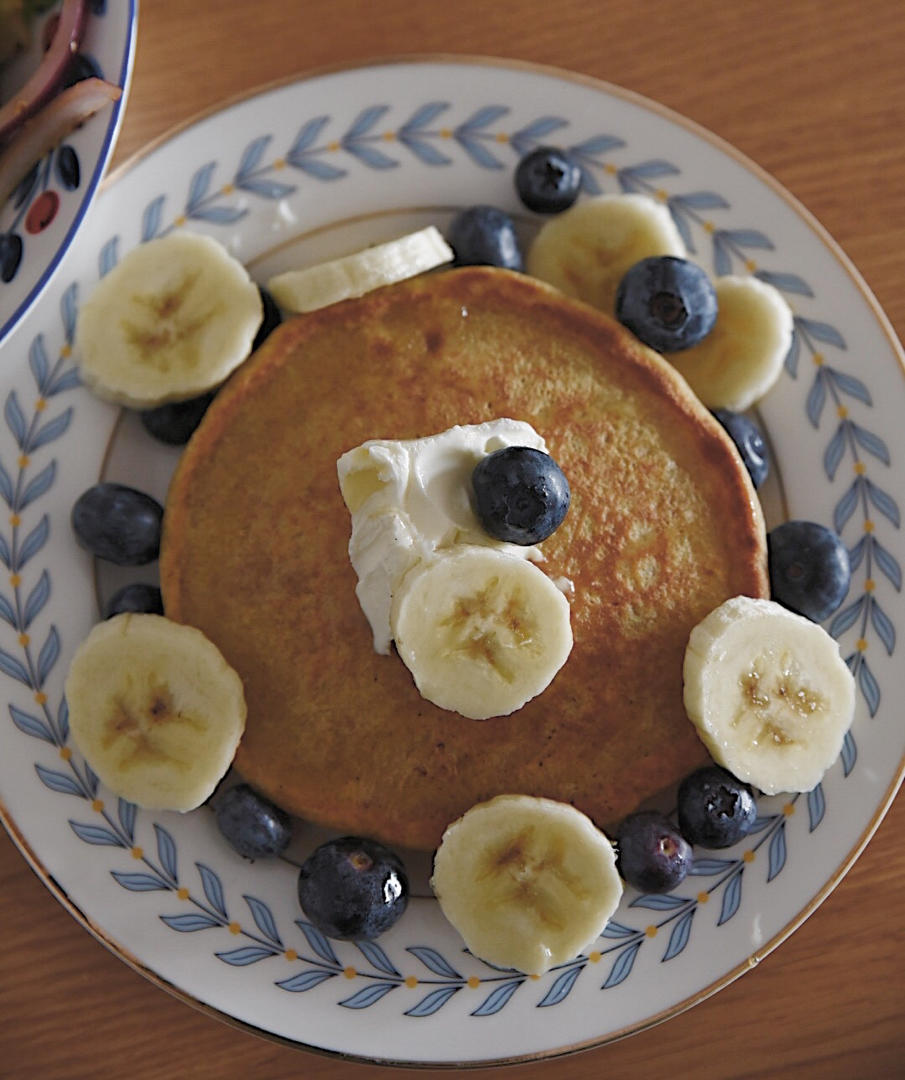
481 632
769 693
528 882
171 320
742 356
586 250
354 275
155 709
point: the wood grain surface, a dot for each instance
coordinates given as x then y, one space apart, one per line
814 92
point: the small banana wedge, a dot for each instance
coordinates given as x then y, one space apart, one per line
769 694
586 250
354 275
173 319
528 882
481 632
742 356
155 709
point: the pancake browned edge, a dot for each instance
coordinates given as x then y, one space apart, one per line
664 525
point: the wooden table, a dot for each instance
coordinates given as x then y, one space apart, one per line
812 90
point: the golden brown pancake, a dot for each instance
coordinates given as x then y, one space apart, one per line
663 526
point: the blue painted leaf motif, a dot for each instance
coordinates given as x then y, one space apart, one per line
434 1001
69 306
96 834
369 155
681 223
151 218
267 189
166 851
38 362
15 418
108 257
251 156
368 996
816 398
702 200
263 918
213 888
366 120
433 961
424 150
678 939
731 898
559 991
870 442
883 625
856 553
834 451
38 486
614 929
5 555
777 852
63 720
140 882
598 144
66 380
6 608
750 238
848 384
48 655
320 170
37 598
189 924
649 170
307 980
816 807
126 812
821 331
33 543
791 361
887 563
761 823
722 257
658 901
497 998
219 215
53 429
589 183
307 136
91 781
199 184
476 150
249 954
425 115
790 283
849 753
846 618
484 117
883 502
846 506
9 665
31 725
318 942
525 139
709 867
623 965
376 957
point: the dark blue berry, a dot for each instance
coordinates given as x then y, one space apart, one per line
749 441
667 302
10 255
256 827
521 495
118 523
484 236
715 810
809 568
272 319
651 854
548 180
353 888
175 422
137 597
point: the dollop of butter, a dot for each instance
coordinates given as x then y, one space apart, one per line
410 501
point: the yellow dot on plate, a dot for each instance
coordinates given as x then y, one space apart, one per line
610 170
842 412
24 640
651 931
41 698
703 897
41 403
97 805
183 893
15 520
389 136
870 585
818 359
23 461
445 133
750 265
594 956
661 195
227 189
789 809
15 580
333 146
65 352
749 856
502 137
291 954
868 525
349 972
709 227
474 982
860 468
861 645
534 977
180 220
65 753
411 982
279 163
137 852
235 928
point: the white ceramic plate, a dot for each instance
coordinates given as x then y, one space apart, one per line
40 220
340 160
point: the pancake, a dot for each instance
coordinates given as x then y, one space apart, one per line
664 525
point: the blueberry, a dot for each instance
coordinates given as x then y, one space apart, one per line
651 854
749 442
353 888
175 422
118 523
272 319
254 826
668 303
10 255
548 180
715 810
137 597
484 236
521 495
809 568
68 169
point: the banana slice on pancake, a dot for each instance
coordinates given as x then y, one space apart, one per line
482 632
528 882
769 694
586 250
354 275
155 709
743 355
170 321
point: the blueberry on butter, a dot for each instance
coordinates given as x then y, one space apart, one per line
521 495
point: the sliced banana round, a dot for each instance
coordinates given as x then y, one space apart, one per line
482 632
742 356
586 250
354 275
528 882
769 694
155 709
173 319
